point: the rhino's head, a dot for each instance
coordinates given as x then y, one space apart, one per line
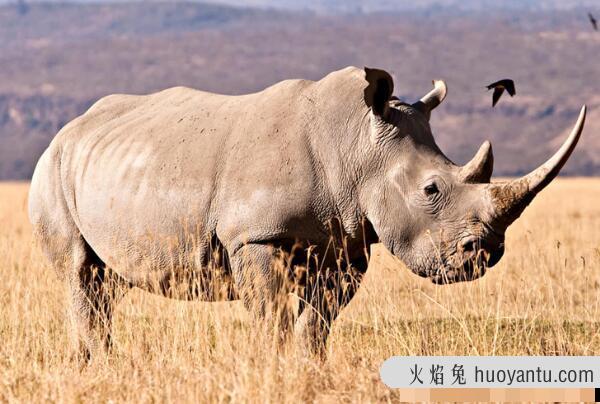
446 222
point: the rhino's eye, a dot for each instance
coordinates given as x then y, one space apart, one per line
431 189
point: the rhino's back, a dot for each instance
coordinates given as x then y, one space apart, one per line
145 175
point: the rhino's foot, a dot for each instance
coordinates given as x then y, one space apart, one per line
310 335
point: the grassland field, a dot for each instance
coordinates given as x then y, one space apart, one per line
543 298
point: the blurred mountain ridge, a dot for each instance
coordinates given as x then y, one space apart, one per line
56 59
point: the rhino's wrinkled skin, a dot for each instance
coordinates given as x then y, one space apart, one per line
189 188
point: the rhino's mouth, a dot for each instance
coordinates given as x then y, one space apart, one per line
470 269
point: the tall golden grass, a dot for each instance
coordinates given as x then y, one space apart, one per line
542 299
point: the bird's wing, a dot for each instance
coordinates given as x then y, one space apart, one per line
593 21
497 93
510 87
494 84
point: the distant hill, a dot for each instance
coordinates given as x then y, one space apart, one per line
57 58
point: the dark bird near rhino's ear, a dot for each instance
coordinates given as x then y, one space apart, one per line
593 21
499 87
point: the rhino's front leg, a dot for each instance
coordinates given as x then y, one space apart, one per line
262 281
310 333
325 297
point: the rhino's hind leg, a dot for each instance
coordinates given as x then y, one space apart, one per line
94 290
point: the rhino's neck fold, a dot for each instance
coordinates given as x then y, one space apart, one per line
340 145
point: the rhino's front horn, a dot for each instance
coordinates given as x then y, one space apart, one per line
479 169
511 198
432 99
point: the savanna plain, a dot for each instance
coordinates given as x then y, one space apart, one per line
543 298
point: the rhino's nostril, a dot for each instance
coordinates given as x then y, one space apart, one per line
469 246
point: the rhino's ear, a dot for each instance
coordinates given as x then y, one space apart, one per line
378 91
432 99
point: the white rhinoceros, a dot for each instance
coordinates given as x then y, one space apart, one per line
237 197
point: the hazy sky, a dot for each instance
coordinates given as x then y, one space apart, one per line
375 5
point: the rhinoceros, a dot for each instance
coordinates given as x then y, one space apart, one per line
238 197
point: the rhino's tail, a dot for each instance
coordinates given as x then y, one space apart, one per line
54 228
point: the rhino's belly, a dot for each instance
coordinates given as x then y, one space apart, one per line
157 238
173 262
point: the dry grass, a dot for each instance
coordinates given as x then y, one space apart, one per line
542 299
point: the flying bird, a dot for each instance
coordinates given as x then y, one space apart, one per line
499 87
593 21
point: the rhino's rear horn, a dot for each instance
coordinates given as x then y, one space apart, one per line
432 99
479 169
